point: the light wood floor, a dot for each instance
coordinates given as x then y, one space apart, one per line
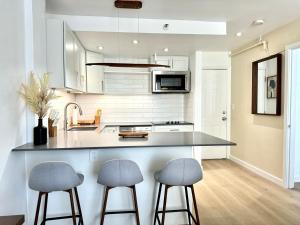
231 195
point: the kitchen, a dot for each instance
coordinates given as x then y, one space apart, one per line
150 101
135 89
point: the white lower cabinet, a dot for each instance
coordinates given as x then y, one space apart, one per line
110 130
173 128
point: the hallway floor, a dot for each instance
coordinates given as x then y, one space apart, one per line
232 195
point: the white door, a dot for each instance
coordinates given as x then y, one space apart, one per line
214 110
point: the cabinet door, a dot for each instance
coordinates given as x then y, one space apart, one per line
70 59
95 76
110 130
81 79
180 63
174 128
164 60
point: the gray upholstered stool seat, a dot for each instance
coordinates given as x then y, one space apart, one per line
48 177
120 173
179 172
54 176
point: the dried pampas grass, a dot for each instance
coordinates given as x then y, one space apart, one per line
38 95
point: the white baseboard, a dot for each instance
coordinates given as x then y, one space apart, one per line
297 179
257 171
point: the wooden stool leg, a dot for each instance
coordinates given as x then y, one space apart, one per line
104 205
79 207
165 205
45 208
187 203
72 206
38 209
136 206
195 205
157 204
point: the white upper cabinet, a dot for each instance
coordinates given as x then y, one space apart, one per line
163 60
176 63
65 57
95 75
180 63
70 60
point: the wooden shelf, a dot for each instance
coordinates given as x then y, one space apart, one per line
127 72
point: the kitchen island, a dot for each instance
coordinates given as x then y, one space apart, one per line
86 151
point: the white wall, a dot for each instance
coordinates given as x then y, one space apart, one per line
22 44
189 105
12 119
134 108
127 84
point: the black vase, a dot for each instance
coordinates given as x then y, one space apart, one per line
40 134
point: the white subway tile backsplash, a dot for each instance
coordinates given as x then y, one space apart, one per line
59 105
133 108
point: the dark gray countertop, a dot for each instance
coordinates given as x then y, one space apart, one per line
77 140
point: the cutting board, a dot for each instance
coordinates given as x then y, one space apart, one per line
86 122
129 134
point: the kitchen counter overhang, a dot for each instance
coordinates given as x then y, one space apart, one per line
78 140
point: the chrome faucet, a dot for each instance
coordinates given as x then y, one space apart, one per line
66 113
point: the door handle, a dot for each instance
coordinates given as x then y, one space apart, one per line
224 118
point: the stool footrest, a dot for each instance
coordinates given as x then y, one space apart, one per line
119 212
177 211
174 210
59 218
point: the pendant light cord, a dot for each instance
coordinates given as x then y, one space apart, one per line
118 35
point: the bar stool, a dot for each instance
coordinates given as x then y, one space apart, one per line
50 177
120 173
179 172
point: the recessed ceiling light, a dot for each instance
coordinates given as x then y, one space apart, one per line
166 49
135 42
239 34
100 48
258 22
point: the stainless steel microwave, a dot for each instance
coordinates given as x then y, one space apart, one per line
171 81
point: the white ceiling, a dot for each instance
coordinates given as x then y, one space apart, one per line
239 15
121 44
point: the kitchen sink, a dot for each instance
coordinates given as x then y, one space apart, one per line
82 128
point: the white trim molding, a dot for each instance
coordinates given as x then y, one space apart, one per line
142 25
258 171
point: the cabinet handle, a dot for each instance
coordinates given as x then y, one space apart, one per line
102 86
174 130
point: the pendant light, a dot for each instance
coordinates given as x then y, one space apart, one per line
128 4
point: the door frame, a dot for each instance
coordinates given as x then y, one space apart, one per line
289 149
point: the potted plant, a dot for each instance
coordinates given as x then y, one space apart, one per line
37 96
